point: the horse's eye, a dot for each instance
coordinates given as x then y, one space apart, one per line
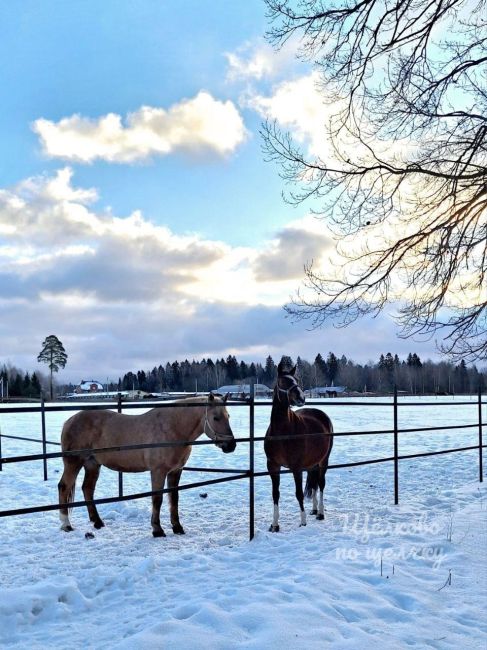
217 418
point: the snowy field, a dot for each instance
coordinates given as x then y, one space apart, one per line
371 575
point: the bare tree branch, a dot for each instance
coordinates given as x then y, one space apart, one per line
409 79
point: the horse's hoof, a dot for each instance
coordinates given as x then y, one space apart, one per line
177 529
67 528
158 533
301 525
273 529
98 524
320 517
314 512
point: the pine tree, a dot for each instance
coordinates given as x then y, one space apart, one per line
286 362
461 377
15 386
129 381
389 368
332 366
270 371
169 376
244 371
304 372
320 370
26 386
211 381
161 378
253 371
141 380
176 375
389 362
54 354
35 385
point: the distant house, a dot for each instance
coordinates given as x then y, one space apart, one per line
243 390
89 386
329 391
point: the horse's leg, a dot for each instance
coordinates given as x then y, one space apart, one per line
321 485
66 486
92 472
173 482
274 469
158 478
298 480
314 511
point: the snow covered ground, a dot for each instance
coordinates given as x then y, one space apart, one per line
371 575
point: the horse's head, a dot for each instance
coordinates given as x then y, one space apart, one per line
217 425
287 385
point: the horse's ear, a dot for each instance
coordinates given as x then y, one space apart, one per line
226 397
211 397
280 368
292 372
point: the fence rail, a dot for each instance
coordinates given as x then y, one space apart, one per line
233 474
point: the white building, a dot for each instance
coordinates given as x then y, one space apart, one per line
243 390
327 391
89 386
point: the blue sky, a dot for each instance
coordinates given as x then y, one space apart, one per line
92 58
138 220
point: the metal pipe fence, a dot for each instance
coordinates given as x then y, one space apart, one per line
248 473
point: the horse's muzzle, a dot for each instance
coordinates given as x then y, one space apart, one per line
228 446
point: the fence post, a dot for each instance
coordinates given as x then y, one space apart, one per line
251 463
120 474
396 451
44 445
481 470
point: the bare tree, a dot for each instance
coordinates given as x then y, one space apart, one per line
406 188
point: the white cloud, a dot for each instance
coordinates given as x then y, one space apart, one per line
55 244
298 106
294 246
301 107
258 60
193 126
123 293
258 66
270 272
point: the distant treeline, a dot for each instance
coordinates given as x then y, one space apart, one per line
17 383
410 374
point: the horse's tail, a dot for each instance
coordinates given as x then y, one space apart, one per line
311 481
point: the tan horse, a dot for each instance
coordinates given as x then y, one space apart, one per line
92 430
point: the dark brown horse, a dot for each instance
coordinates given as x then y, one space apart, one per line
93 430
302 452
